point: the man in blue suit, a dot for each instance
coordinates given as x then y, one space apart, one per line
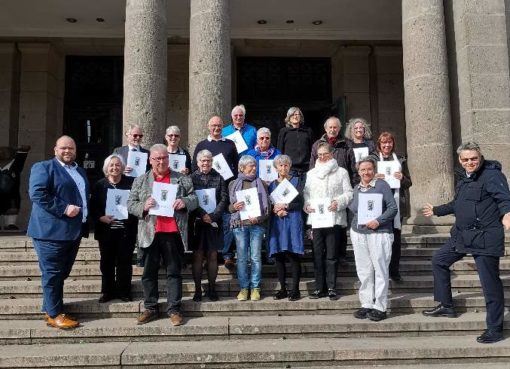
59 192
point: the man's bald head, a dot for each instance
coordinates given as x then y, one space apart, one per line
65 149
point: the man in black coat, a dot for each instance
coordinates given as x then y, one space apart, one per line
482 208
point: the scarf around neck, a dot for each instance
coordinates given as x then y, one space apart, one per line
324 169
255 182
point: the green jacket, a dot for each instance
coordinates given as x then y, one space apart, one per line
142 190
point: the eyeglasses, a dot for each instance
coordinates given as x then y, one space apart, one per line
324 155
296 115
264 138
238 115
160 158
173 135
137 136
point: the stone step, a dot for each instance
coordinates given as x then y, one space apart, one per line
240 327
230 287
246 353
30 308
23 271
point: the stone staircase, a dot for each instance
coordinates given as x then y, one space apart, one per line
231 334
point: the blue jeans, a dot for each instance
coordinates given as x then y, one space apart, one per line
56 259
248 245
228 237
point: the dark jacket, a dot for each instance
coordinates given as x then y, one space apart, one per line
211 180
98 204
343 156
480 202
296 143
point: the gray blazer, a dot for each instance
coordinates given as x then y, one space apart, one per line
142 190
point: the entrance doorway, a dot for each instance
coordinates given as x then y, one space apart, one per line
268 87
93 108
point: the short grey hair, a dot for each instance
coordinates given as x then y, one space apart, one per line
333 119
109 159
326 145
292 110
158 147
133 126
263 130
204 153
238 107
471 146
245 160
350 126
366 159
174 129
282 159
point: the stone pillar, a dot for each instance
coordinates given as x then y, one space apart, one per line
145 68
356 82
209 66
427 107
40 106
483 76
9 95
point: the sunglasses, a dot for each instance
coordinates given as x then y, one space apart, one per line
172 135
137 136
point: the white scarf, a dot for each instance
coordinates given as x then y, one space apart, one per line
396 195
324 169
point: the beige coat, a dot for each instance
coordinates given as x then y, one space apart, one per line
141 191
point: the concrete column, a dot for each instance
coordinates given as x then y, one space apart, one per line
209 66
145 68
9 94
356 81
40 106
427 106
483 76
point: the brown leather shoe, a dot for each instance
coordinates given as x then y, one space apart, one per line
146 317
69 316
62 321
176 319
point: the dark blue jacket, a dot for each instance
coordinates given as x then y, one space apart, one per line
51 189
480 202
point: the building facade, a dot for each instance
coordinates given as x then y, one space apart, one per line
433 72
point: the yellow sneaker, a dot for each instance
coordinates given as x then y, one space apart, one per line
255 294
243 295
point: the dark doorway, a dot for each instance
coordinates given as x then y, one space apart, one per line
93 108
269 86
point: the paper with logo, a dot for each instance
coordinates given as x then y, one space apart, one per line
388 168
284 193
207 199
369 207
177 162
138 162
267 172
251 203
164 195
238 139
221 166
116 203
322 217
360 153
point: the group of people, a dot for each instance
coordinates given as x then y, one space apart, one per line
239 186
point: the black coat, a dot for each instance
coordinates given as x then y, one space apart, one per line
296 143
97 209
480 202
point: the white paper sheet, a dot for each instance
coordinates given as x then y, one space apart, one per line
164 195
222 167
388 168
322 217
116 203
177 162
238 139
207 199
360 153
251 203
284 193
267 172
138 162
369 207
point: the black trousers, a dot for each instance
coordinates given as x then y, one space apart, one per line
325 257
396 251
169 248
488 271
116 263
281 269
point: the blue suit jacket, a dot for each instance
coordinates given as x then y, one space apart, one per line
51 189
